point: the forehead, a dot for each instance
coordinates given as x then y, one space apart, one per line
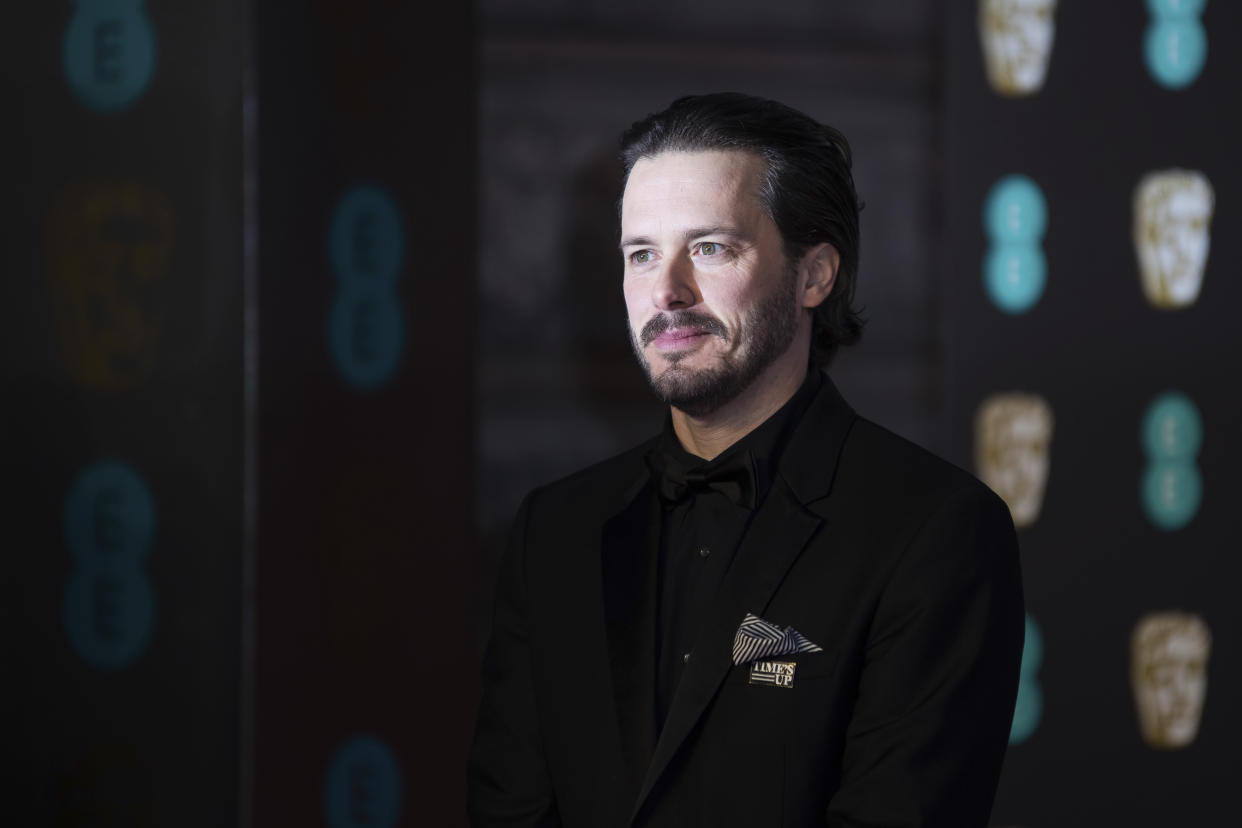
712 186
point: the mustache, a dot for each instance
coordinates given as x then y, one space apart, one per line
701 322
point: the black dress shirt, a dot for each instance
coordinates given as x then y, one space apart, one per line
701 531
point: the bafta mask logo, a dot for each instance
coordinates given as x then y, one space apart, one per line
109 248
363 786
1017 40
1169 654
1172 219
1013 440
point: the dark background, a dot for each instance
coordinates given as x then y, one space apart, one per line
322 555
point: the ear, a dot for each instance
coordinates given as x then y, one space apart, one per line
818 272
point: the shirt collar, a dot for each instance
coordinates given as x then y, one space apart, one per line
765 442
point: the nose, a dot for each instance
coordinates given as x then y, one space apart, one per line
674 287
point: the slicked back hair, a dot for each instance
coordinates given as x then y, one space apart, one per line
807 188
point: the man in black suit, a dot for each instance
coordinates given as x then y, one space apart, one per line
776 612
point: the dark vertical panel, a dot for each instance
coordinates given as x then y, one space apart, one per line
364 684
120 430
1099 353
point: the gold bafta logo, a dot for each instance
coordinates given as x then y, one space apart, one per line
109 248
1017 40
1168 672
1013 440
1172 220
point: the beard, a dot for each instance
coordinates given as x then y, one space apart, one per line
764 335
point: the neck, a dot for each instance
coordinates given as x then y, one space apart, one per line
712 434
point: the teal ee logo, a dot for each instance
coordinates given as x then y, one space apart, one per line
108 616
1172 487
363 786
109 53
365 239
1175 44
366 334
1015 217
109 516
366 326
1030 704
1172 429
1171 493
109 524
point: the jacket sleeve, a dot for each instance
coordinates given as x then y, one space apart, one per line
939 678
507 777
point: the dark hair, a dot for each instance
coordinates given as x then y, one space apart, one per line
807 189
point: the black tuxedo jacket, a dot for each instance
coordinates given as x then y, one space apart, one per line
903 568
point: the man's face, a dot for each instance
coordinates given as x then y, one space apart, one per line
711 299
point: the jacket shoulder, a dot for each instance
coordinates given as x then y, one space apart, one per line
879 465
609 481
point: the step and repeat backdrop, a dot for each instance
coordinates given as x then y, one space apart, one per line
364 684
121 415
237 414
1091 259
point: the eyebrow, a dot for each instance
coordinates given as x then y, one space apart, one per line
692 233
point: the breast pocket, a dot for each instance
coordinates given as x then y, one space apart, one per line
770 692
785 672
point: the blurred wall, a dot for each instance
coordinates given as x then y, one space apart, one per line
255 399
238 272
364 679
121 416
1129 555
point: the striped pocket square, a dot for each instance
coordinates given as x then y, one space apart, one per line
758 639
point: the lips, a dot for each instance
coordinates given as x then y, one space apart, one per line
675 339
680 330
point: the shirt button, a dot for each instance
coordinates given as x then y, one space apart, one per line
685 659
704 551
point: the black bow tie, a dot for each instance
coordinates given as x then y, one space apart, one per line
734 478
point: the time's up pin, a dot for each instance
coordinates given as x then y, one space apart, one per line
773 673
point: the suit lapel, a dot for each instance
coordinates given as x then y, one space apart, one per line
780 530
630 552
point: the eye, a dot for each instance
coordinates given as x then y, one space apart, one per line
639 257
709 248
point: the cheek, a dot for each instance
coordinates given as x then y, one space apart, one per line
635 302
729 302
